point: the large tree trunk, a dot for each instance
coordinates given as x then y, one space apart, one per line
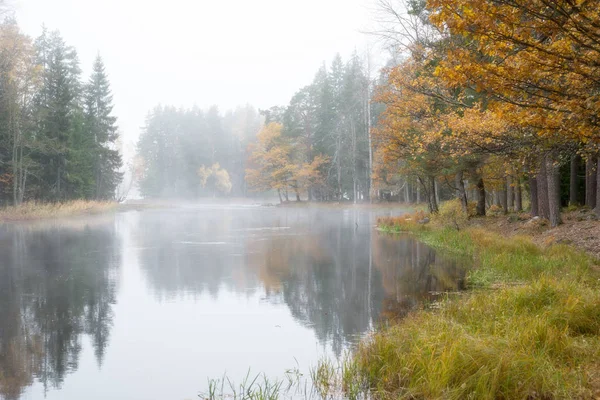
480 198
553 174
574 181
542 183
461 193
591 181
518 195
533 194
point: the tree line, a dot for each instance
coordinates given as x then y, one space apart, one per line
318 146
58 135
191 153
498 101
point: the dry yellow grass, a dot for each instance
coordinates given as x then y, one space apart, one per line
35 210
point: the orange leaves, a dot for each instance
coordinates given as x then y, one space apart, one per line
541 58
275 166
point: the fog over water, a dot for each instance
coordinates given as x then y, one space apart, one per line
150 304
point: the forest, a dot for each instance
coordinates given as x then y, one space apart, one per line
58 135
473 104
493 103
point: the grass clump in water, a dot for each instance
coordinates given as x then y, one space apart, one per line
536 335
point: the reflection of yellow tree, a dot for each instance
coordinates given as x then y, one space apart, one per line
412 273
20 360
273 259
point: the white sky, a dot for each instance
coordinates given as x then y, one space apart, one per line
186 52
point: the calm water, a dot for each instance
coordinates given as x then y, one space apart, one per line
148 305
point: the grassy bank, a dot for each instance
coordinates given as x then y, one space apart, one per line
528 329
33 210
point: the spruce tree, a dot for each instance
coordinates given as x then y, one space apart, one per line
102 129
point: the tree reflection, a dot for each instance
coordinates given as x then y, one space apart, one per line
335 274
56 284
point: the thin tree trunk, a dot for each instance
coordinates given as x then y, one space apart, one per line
533 194
461 193
510 193
504 198
542 183
480 197
597 209
574 181
591 182
418 194
553 176
518 195
433 198
436 187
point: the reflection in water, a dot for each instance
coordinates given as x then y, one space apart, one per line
335 276
56 285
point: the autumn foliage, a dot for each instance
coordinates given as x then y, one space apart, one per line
493 98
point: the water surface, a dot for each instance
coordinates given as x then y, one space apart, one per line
149 304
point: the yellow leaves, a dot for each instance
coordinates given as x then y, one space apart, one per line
221 179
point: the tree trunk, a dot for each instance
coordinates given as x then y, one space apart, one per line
429 189
504 198
542 183
461 193
553 175
496 197
533 194
591 182
279 193
480 198
510 193
574 181
597 209
418 194
436 187
518 195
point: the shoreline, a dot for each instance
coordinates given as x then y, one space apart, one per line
527 327
34 211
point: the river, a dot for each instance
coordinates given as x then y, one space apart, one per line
150 304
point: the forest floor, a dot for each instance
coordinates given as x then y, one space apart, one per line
35 211
580 229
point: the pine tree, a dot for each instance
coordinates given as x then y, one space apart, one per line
102 129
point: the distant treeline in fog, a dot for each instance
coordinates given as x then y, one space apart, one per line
195 153
317 147
57 132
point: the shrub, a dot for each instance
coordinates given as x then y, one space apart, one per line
451 214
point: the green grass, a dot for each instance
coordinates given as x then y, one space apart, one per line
529 329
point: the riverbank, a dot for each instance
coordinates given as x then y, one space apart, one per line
528 328
35 211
